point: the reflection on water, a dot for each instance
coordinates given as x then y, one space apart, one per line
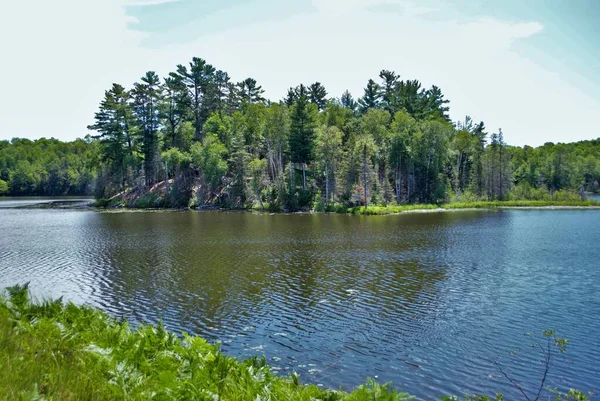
423 300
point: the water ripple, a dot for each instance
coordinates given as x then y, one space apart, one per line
426 301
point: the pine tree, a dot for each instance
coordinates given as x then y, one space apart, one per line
410 97
202 90
114 122
371 98
348 101
303 118
250 92
389 91
146 98
317 95
173 109
435 104
291 96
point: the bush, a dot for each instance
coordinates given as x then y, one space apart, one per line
524 191
463 197
305 198
103 202
3 187
566 196
148 201
319 203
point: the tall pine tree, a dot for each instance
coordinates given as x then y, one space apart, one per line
303 117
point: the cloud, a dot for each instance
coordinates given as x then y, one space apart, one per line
148 2
340 7
61 58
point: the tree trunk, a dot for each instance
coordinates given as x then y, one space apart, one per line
304 176
365 175
326 183
399 181
500 192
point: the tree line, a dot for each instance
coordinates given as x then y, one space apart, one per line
48 167
214 141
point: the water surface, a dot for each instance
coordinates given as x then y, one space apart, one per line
423 300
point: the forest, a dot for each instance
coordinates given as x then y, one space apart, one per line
48 167
197 138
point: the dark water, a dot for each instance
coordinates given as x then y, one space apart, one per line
423 300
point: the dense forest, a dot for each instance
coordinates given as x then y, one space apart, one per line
206 140
48 167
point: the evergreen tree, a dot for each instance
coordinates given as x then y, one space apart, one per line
348 101
317 95
389 90
371 98
250 91
291 97
174 108
114 122
146 99
199 80
303 118
410 97
435 104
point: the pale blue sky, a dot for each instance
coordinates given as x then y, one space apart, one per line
569 43
527 66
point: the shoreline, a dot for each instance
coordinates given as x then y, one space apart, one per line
390 210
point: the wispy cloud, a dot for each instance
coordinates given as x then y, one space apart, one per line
148 2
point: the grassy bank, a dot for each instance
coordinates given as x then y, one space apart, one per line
395 209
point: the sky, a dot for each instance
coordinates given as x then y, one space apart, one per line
529 67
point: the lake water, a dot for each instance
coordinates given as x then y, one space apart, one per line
426 301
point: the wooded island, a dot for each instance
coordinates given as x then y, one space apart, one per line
196 138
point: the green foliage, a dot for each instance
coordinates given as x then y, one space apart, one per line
175 160
397 144
378 392
210 158
149 200
498 397
48 167
302 122
102 203
395 209
3 187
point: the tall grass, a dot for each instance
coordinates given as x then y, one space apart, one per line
396 209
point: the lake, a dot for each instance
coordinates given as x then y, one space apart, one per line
426 301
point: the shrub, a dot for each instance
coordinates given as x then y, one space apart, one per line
3 187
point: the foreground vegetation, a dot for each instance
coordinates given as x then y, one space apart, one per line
67 352
53 351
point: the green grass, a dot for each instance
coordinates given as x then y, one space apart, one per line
396 209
